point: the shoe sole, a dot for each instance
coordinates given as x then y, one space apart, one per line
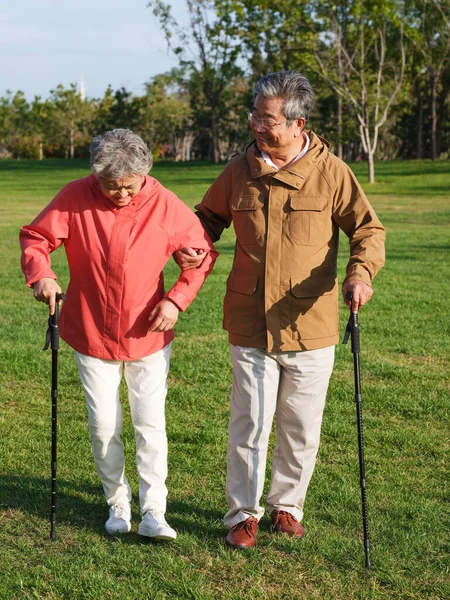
240 546
118 531
287 533
167 537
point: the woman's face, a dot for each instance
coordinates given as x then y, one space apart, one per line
121 191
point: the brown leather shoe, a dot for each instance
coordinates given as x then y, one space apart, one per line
284 522
243 535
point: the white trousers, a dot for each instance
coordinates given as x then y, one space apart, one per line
147 388
293 385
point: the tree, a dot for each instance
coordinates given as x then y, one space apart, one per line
15 122
41 115
166 116
208 52
370 54
71 116
429 31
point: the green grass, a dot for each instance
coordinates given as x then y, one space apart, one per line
405 361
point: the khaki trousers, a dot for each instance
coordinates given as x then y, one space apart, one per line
147 388
293 385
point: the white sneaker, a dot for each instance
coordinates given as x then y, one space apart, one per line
155 526
119 518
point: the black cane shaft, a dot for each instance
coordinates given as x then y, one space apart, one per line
54 344
362 478
353 330
54 443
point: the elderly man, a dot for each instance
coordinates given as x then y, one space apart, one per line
287 197
119 227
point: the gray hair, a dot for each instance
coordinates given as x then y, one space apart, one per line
119 153
293 87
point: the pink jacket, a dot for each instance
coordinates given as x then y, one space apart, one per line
116 257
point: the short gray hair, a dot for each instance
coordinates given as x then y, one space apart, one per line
293 87
119 153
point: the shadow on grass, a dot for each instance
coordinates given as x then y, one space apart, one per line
31 496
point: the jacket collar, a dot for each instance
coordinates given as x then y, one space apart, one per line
296 173
138 202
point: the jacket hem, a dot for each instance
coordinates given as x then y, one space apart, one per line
291 346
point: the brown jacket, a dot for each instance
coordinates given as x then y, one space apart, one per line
282 292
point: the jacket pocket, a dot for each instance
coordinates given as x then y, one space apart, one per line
314 307
248 219
309 220
240 303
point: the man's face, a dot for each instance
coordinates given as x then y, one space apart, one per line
121 191
281 137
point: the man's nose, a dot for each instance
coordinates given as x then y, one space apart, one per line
123 193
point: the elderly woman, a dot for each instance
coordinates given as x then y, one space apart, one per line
119 227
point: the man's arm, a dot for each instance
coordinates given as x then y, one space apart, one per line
189 258
355 216
214 215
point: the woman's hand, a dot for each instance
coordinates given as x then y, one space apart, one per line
164 316
45 290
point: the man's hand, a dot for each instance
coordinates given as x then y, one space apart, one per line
362 293
189 258
45 290
164 316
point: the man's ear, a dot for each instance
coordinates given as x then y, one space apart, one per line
301 123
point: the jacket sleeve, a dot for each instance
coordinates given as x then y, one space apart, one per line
353 214
214 211
186 230
44 235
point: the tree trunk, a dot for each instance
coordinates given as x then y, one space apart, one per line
187 147
419 152
368 148
441 112
41 151
214 138
434 149
339 127
72 144
371 164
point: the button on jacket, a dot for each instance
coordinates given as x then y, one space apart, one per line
282 291
115 256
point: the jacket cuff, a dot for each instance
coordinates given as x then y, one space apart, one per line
180 300
359 275
31 280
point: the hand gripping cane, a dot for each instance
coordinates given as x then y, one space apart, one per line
52 341
353 331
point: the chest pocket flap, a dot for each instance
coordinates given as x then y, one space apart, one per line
248 202
317 203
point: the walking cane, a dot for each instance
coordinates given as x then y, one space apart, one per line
353 331
52 341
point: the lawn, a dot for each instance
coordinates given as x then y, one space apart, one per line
405 386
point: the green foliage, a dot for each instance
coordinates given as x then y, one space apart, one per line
380 69
405 352
209 53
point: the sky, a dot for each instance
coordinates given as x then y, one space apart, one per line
44 43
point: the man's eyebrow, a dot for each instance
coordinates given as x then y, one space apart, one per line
266 115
